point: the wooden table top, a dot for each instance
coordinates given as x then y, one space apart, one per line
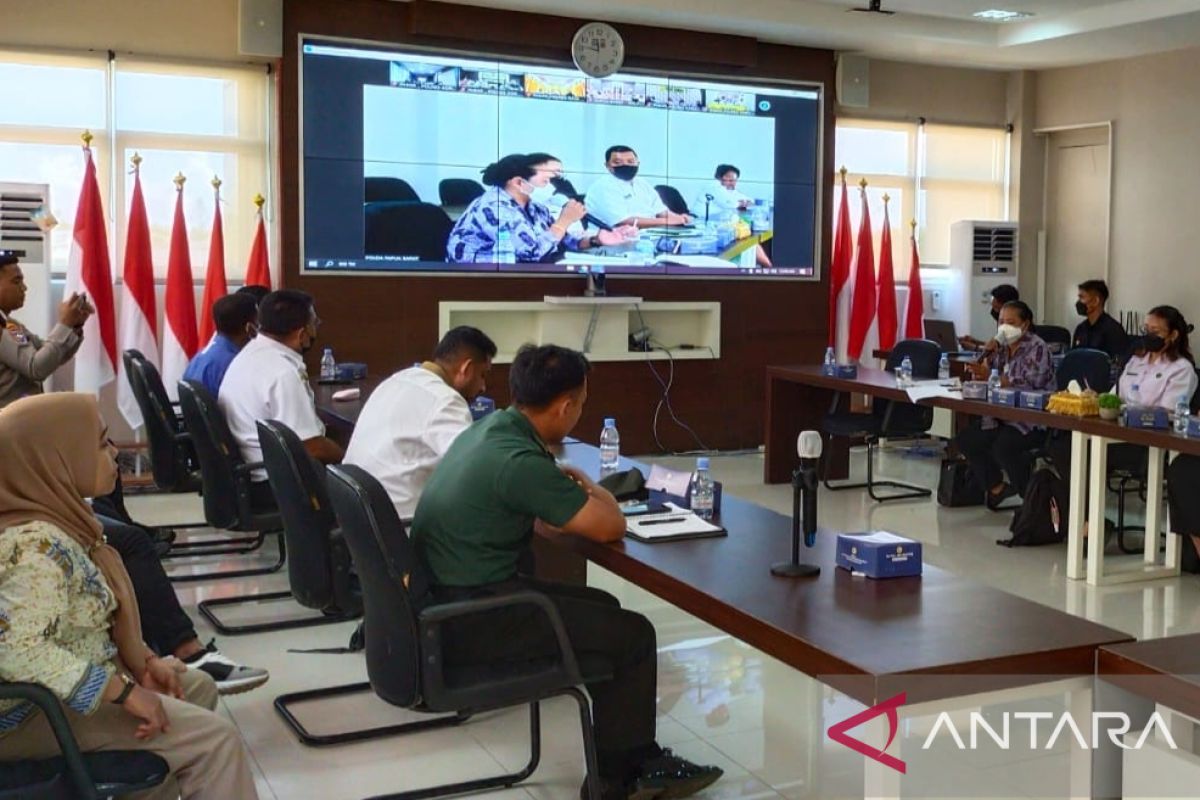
343 413
1165 670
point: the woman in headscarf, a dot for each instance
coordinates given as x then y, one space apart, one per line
69 618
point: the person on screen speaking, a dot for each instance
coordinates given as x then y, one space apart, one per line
721 196
622 198
515 204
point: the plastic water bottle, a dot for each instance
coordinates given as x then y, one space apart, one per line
328 365
505 253
1183 412
906 371
944 367
830 362
758 217
993 382
610 447
702 491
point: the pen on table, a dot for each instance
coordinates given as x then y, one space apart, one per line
661 521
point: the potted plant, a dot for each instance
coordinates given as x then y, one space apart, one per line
1110 406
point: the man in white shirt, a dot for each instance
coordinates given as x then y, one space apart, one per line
268 380
721 196
412 418
622 198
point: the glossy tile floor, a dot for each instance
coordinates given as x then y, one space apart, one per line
719 701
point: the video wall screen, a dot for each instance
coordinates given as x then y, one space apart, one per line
438 163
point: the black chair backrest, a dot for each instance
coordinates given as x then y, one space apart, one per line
391 578
1092 368
1057 337
672 199
383 189
299 487
226 494
906 417
171 458
420 229
459 191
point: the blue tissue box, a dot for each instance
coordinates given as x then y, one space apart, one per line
482 406
1035 401
847 371
1193 430
1147 417
879 554
1005 397
350 371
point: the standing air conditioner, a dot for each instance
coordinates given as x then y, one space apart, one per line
983 255
21 235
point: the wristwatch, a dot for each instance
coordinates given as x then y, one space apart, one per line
594 241
129 684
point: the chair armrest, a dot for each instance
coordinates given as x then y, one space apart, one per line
439 614
45 700
246 469
183 438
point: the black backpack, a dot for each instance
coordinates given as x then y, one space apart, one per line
957 486
1042 517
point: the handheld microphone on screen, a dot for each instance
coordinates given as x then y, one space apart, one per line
561 186
804 507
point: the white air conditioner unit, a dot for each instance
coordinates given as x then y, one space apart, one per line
983 255
21 235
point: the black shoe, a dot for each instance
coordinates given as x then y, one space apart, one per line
667 776
993 500
616 791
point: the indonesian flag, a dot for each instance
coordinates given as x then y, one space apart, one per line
914 315
839 279
139 315
258 271
179 334
888 318
862 306
214 280
89 272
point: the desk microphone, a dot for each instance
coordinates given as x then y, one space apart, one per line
804 507
708 198
562 187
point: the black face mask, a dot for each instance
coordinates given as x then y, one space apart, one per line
1081 308
1153 343
625 172
995 315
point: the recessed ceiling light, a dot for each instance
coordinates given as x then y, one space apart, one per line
1000 15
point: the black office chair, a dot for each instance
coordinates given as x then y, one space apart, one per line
672 199
1092 368
888 420
459 192
405 660
73 775
226 479
407 229
1058 338
377 190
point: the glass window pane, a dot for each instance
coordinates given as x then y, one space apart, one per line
185 104
975 154
60 97
948 202
875 151
61 166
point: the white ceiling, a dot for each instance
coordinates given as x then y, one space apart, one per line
1062 32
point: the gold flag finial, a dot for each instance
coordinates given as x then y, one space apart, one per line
136 160
843 172
862 184
216 183
259 200
912 223
179 181
87 137
886 198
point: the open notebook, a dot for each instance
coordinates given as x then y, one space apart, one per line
674 524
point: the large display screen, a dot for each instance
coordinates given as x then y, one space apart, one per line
440 163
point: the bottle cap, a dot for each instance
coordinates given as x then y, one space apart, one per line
702 463
328 349
610 422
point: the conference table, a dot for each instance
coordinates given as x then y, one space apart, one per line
944 641
798 397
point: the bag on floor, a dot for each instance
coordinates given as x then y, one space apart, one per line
1042 517
957 486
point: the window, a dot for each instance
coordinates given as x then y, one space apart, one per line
201 120
935 174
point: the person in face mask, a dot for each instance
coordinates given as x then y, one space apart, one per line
1098 330
267 379
519 203
622 198
1004 293
1000 454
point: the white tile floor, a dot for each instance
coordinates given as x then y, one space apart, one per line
720 701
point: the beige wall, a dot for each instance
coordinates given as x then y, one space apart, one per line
940 94
1154 102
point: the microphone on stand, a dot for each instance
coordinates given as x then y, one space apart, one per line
562 187
708 198
804 507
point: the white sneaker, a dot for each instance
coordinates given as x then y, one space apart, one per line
231 678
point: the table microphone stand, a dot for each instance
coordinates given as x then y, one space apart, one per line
804 492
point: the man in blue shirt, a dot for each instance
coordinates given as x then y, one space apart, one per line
236 319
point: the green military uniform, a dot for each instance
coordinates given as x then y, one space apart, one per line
476 513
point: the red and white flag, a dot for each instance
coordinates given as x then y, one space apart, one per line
839 278
258 271
914 315
862 306
888 319
214 280
139 313
179 331
89 272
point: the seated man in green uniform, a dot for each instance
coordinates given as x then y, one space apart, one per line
475 519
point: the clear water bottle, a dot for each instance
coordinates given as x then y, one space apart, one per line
993 382
1183 413
906 371
830 362
328 365
505 252
610 447
702 491
944 367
